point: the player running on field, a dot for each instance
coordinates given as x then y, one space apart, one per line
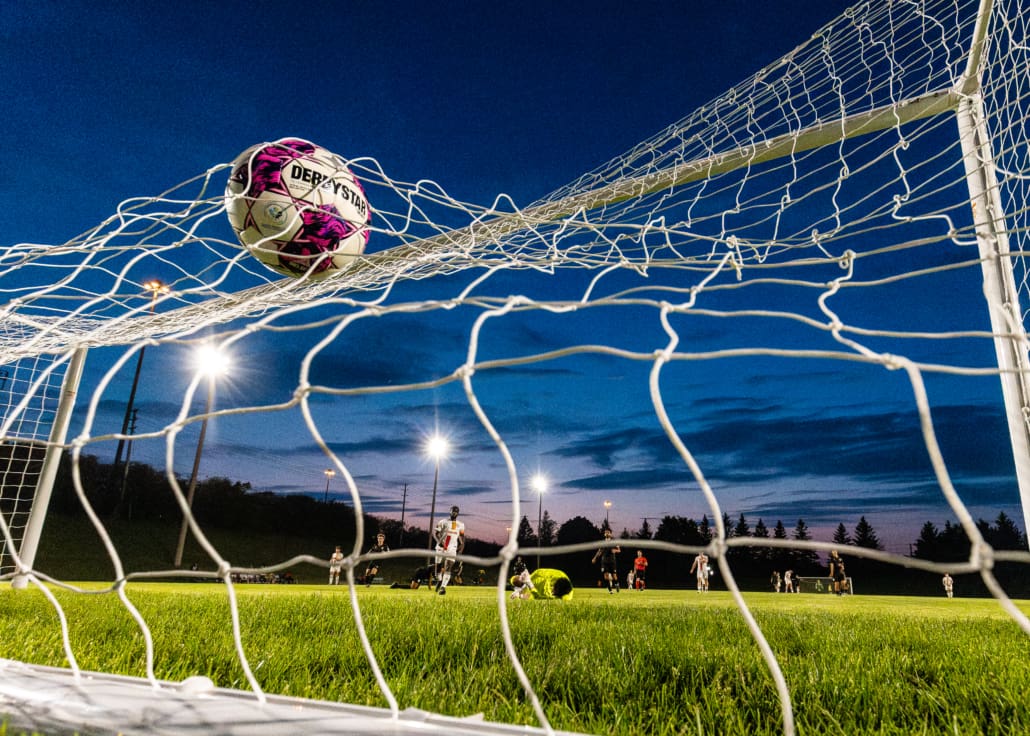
450 541
702 568
607 556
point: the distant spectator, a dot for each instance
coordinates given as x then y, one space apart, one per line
948 583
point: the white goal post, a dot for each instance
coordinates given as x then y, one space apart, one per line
768 228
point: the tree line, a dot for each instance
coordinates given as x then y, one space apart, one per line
221 502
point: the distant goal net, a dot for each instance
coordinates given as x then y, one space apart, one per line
816 584
795 231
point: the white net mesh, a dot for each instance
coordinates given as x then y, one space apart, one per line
798 220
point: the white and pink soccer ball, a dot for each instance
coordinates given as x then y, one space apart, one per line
297 208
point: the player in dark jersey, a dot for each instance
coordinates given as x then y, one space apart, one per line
609 564
373 565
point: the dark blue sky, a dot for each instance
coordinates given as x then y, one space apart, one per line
105 101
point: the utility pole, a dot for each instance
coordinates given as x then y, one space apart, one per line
404 503
125 469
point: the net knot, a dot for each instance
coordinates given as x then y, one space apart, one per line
981 554
717 548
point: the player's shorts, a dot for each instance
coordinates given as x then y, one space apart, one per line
608 568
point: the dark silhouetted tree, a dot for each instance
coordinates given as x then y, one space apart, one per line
781 558
865 536
806 561
548 530
645 531
525 536
928 545
761 555
704 528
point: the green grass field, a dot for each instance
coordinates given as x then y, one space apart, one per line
652 662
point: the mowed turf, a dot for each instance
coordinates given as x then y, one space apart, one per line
650 662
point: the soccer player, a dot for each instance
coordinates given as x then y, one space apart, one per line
420 576
335 565
949 584
450 541
640 571
837 573
788 581
521 581
373 565
701 566
549 583
609 565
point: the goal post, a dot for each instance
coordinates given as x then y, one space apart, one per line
794 220
51 460
40 395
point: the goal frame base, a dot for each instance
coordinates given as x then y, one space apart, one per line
54 700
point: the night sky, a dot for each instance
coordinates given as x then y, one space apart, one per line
106 101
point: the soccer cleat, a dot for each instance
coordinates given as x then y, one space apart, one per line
442 591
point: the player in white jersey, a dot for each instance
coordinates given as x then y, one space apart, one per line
335 565
521 582
450 541
703 570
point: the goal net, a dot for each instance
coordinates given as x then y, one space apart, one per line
823 585
800 230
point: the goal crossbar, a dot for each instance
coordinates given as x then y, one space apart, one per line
455 245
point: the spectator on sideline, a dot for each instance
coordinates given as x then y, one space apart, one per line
335 565
373 565
775 581
640 571
607 556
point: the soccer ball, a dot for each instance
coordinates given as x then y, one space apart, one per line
297 208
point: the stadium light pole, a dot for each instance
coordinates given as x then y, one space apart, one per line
607 506
212 362
155 287
436 448
329 475
539 484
